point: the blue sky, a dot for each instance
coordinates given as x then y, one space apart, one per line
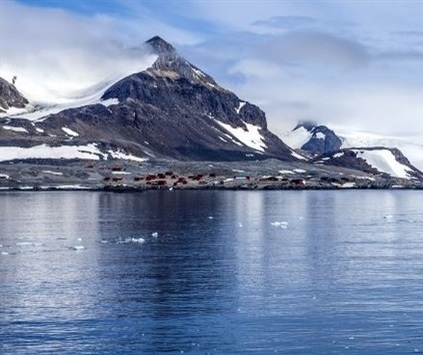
348 63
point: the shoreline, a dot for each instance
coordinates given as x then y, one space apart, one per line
118 176
129 189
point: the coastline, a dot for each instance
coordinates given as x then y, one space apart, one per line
118 176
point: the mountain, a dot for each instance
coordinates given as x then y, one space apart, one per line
171 110
317 139
313 138
410 145
376 160
10 97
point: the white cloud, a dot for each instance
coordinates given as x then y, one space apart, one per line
55 53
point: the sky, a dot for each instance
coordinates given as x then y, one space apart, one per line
355 64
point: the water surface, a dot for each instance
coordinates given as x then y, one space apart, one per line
294 272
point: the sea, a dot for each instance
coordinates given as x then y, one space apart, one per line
211 272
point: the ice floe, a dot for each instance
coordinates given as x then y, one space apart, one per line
282 224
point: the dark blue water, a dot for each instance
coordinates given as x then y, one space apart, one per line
310 272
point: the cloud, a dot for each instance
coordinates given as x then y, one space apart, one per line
314 47
56 53
286 22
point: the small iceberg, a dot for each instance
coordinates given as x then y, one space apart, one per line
77 247
282 225
29 244
154 234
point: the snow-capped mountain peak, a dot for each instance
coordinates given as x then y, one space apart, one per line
160 47
171 65
313 138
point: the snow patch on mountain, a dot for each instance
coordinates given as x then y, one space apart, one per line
43 151
320 135
296 138
15 129
384 161
250 136
411 146
119 154
298 156
240 106
53 97
13 111
69 132
88 152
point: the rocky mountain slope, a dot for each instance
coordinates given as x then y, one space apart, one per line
313 138
376 160
340 149
10 97
171 110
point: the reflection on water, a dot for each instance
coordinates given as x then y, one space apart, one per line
211 272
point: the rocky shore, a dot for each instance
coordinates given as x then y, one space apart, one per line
120 176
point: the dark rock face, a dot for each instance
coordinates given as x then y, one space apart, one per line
10 96
323 140
174 110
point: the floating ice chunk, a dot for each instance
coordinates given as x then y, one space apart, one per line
154 234
77 247
211 217
131 240
79 239
240 225
4 253
282 225
29 244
